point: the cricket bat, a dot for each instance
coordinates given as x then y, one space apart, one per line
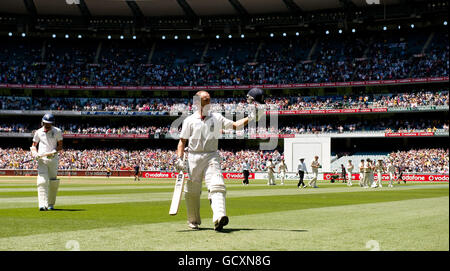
177 193
40 156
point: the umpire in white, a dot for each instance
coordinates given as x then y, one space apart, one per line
202 129
47 142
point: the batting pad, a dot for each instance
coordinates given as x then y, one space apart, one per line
217 205
52 191
42 188
193 208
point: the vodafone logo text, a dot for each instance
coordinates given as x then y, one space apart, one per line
173 175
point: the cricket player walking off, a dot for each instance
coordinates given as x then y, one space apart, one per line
282 168
361 173
201 131
49 141
368 173
391 171
379 168
315 171
270 172
350 168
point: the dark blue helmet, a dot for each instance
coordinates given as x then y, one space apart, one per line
48 118
255 94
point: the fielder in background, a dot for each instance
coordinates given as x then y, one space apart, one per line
301 170
361 173
379 168
270 172
391 170
201 132
315 165
350 168
47 142
282 168
367 172
245 171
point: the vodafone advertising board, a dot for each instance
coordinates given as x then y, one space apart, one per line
166 175
238 176
406 177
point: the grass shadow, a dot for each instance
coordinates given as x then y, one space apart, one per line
68 210
231 230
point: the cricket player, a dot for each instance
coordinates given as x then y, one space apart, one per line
301 170
391 170
282 168
350 168
366 175
47 142
315 165
270 172
137 172
201 132
245 171
379 168
361 173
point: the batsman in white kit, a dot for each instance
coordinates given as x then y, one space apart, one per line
47 142
201 131
282 168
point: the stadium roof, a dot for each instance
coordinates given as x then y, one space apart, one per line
153 8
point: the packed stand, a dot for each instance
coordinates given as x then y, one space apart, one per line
121 159
421 160
408 100
343 59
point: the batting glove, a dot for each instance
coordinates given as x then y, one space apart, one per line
34 152
256 113
180 164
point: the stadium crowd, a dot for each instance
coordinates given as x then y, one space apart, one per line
351 59
410 100
312 127
422 160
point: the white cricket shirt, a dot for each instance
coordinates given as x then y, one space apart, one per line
48 141
203 135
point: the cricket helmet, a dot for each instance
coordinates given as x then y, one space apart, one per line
48 118
255 94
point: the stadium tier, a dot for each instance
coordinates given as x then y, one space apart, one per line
352 57
421 160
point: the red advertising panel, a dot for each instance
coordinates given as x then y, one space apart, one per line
406 177
173 175
409 134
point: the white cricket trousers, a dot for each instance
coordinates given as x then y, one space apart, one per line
379 179
313 181
271 178
47 184
349 178
283 176
204 166
391 178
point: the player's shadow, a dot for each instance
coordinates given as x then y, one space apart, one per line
69 210
231 230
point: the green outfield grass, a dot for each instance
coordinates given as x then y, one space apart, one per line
120 214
